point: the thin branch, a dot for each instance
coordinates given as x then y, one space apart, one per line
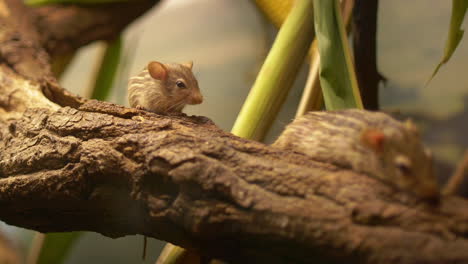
365 51
461 172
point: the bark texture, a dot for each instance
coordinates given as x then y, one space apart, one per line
64 28
72 164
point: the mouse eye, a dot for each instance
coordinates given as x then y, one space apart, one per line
181 84
403 164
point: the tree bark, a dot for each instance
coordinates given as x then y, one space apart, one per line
69 164
65 28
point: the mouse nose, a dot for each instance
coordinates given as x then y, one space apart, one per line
196 99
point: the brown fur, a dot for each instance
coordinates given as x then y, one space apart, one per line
369 142
164 96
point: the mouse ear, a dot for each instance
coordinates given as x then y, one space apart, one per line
188 64
157 70
411 127
374 139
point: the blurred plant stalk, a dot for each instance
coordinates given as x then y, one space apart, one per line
277 74
51 247
172 254
105 75
312 96
337 75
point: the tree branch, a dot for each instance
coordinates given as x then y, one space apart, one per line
365 51
101 167
65 28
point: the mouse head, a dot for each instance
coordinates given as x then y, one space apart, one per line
177 82
403 159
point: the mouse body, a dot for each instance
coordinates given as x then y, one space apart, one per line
369 142
164 88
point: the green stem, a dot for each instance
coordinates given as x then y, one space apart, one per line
278 73
337 76
106 74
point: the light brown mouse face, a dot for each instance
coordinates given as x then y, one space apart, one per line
415 172
178 82
404 161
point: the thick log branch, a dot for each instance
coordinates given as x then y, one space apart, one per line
117 171
120 171
65 28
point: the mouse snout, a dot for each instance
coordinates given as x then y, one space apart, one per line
429 191
196 98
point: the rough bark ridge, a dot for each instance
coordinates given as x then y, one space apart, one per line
101 167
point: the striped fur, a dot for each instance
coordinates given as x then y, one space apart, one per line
337 137
164 96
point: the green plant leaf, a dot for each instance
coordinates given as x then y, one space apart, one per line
56 246
337 75
106 74
455 33
278 73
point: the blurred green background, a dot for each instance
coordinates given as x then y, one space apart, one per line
228 40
